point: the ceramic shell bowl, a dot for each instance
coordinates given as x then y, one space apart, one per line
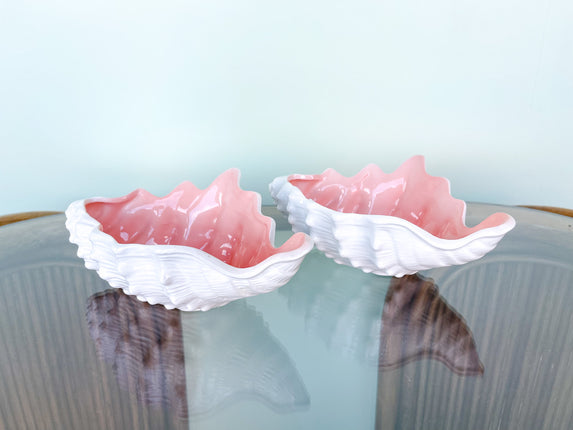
389 224
192 249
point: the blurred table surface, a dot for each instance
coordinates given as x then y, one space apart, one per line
485 345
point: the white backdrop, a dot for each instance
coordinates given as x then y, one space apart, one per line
100 98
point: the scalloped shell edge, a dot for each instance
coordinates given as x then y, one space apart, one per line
380 244
172 275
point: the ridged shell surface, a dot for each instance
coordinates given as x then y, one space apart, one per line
388 224
179 275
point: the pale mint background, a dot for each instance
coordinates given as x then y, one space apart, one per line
102 97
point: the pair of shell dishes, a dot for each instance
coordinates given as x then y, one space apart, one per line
199 249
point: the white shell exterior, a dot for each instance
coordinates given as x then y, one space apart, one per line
172 275
384 245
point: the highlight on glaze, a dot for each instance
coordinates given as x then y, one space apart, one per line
224 221
389 224
408 193
192 249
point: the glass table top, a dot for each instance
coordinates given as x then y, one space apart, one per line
486 345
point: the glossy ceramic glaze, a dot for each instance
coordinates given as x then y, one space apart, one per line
389 224
192 249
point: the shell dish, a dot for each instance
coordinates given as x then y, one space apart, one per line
192 249
389 224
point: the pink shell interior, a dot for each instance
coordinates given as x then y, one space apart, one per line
222 220
408 193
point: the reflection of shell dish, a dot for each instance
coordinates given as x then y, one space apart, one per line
192 249
387 322
389 224
194 363
231 355
340 305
